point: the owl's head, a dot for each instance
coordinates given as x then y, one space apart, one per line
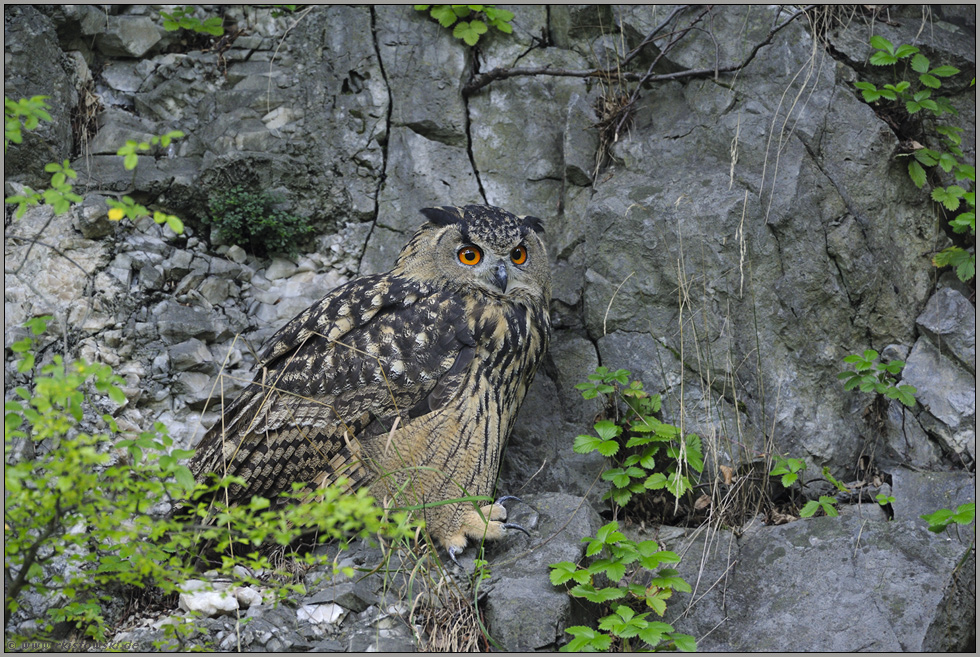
482 247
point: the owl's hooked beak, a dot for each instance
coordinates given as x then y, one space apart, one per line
499 276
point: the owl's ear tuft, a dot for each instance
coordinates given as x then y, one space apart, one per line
533 223
443 216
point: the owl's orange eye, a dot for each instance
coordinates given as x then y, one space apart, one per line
469 255
519 255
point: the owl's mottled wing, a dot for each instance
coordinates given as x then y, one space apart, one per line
373 349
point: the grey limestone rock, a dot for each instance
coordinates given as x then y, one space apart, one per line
951 321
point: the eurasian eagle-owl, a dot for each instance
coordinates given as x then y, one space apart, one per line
445 344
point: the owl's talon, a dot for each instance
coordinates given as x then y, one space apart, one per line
510 525
452 555
507 498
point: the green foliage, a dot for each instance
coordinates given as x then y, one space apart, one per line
623 563
23 114
647 438
282 10
470 31
638 440
918 97
869 375
60 194
827 504
787 469
130 151
79 518
790 470
127 207
183 18
883 499
251 218
915 97
943 518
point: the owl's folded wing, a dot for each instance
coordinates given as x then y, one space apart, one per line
373 349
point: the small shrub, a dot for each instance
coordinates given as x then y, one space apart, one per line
633 568
80 517
251 218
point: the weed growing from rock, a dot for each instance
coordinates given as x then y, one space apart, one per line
869 375
634 569
26 114
915 99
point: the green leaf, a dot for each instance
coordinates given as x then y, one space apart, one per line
586 639
883 59
592 594
949 196
965 221
929 81
26 364
945 71
904 51
684 642
881 43
613 568
562 572
655 560
609 533
917 173
656 481
678 484
607 429
906 395
920 64
809 509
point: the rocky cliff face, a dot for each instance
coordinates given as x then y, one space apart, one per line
738 236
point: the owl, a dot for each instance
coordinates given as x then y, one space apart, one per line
408 382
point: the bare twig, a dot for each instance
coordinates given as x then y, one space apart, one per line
484 79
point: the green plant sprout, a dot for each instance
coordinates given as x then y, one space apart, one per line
23 114
788 469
